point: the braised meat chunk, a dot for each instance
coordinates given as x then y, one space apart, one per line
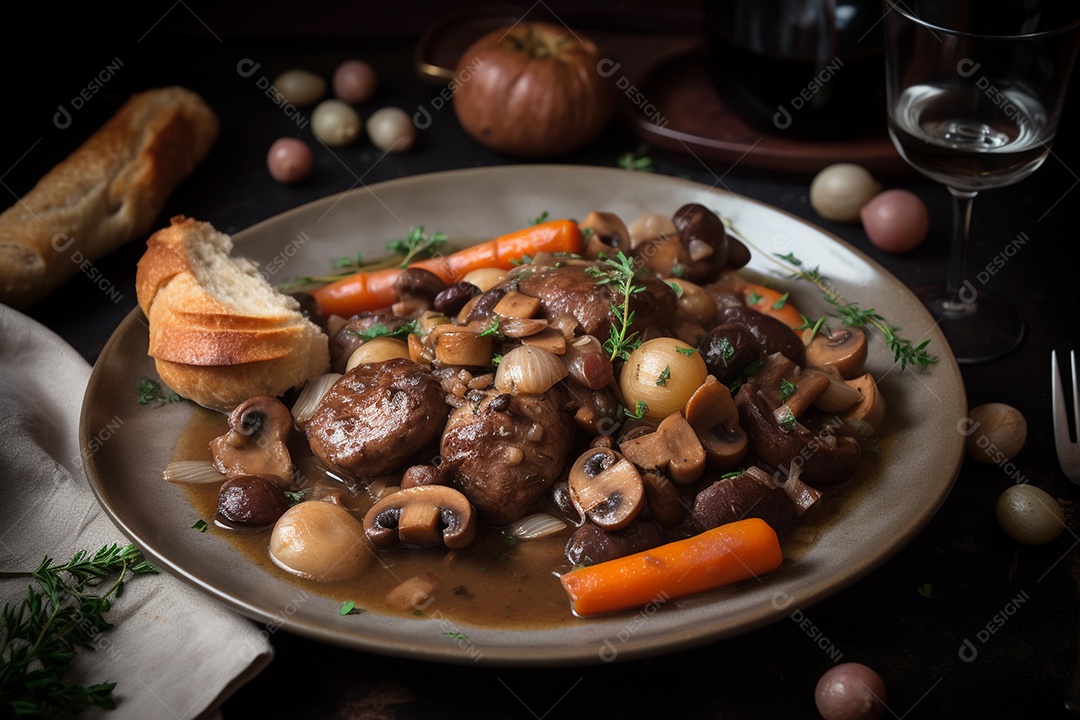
570 290
504 451
378 418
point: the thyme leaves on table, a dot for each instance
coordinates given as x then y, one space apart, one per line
41 634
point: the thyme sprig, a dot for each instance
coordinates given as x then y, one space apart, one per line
417 244
40 636
904 351
619 272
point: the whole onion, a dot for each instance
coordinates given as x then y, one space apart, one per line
529 370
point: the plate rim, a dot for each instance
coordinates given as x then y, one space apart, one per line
527 656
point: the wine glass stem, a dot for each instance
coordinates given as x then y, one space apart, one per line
957 299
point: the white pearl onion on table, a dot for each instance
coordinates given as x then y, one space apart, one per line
300 87
336 123
839 191
391 130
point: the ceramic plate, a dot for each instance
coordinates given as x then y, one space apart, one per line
128 444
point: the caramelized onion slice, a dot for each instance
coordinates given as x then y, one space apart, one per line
192 472
311 396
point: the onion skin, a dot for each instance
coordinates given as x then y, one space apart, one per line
663 373
527 369
533 90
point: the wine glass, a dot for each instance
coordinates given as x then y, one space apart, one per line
974 93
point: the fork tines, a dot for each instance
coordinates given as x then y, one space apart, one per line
1068 449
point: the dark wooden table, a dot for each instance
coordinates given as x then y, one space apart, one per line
963 622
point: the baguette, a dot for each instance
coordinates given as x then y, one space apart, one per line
219 332
105 194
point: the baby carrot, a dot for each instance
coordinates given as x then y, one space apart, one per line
375 289
772 302
721 556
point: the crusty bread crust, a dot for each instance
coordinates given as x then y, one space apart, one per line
106 193
219 333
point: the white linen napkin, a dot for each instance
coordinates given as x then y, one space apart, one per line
173 652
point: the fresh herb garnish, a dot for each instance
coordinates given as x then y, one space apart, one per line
665 375
492 328
297 496
200 525
542 217
787 389
639 410
637 159
787 419
152 392
348 608
417 244
348 263
412 327
781 302
753 298
456 636
727 351
904 351
41 635
687 351
733 473
621 273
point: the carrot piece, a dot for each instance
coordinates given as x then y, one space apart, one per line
772 302
373 290
720 556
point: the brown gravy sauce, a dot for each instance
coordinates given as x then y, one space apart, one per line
497 582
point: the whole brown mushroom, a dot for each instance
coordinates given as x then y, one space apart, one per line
256 441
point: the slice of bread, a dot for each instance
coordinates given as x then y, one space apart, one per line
219 332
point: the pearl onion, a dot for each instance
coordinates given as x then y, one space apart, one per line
391 130
300 87
354 81
335 123
839 191
289 160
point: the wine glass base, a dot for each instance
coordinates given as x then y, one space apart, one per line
977 331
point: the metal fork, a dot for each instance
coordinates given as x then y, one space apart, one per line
1068 450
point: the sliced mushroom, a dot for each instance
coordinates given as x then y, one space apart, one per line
839 396
826 457
869 415
664 505
609 234
462 345
694 304
712 414
423 516
255 444
797 394
804 496
673 447
648 226
606 488
843 348
516 305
